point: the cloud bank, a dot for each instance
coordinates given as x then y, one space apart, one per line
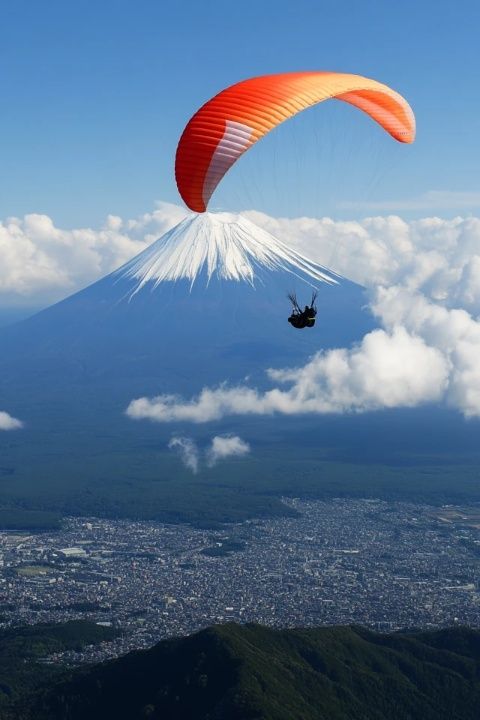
7 422
43 263
438 257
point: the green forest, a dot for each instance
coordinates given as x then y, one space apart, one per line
230 493
251 672
23 649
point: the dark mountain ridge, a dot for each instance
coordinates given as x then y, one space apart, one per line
256 673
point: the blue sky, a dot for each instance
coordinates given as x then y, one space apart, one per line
95 95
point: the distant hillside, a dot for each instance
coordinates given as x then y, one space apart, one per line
256 673
23 648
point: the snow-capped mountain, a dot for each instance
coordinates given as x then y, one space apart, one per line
207 302
222 246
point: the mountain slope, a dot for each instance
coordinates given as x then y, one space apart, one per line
252 672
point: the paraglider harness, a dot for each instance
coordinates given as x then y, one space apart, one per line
302 318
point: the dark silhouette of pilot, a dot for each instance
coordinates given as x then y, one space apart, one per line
302 318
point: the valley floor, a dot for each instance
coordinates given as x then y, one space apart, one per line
385 565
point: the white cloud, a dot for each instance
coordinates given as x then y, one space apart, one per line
439 258
386 370
187 450
423 353
224 446
43 263
453 332
7 422
221 447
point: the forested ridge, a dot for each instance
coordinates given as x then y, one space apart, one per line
256 673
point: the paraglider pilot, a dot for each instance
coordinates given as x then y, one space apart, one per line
302 318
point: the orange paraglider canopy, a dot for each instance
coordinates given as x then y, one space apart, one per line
232 121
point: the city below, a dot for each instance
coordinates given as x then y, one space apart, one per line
384 565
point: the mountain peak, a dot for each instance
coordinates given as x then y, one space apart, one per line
224 245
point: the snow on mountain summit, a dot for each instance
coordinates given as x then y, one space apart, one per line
224 245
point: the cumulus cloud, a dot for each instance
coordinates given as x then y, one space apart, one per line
436 257
224 446
424 352
453 332
187 450
387 369
439 257
43 263
7 422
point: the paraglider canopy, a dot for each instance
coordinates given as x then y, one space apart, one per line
232 121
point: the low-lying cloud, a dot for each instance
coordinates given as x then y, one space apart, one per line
226 446
385 370
7 422
220 448
187 449
423 353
